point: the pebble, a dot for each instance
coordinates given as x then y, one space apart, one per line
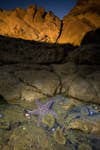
24 128
27 115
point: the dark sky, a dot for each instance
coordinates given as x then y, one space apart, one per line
59 7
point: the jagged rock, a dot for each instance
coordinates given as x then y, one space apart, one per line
31 10
30 24
46 27
84 17
39 16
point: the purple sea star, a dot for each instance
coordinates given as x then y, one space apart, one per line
42 110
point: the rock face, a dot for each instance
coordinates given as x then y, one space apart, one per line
39 25
66 75
14 50
31 24
31 70
84 17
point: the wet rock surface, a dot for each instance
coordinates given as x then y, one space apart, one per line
30 82
75 91
77 125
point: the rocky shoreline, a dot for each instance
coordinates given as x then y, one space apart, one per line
50 92
73 84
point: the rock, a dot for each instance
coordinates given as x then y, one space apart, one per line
46 27
38 81
59 136
29 93
9 86
31 10
28 137
91 37
82 18
38 18
22 51
27 84
79 81
46 82
84 146
83 117
74 126
16 23
86 126
48 120
73 30
88 54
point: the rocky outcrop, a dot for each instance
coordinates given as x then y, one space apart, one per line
39 25
30 70
84 17
32 24
30 82
60 78
14 50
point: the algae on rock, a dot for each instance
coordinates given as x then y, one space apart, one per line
59 136
84 147
48 120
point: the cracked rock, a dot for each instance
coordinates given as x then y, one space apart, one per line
43 81
9 86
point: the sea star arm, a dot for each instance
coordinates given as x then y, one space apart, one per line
53 113
49 104
33 112
39 120
37 102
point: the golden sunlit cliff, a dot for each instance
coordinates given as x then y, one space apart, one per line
84 17
39 25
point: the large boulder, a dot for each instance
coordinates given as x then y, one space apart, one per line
30 82
84 17
79 81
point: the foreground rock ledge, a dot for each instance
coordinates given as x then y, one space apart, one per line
30 82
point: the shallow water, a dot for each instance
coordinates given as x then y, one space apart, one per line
18 132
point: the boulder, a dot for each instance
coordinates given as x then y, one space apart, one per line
79 81
84 17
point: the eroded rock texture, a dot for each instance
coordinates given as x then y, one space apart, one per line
39 25
84 17
32 24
